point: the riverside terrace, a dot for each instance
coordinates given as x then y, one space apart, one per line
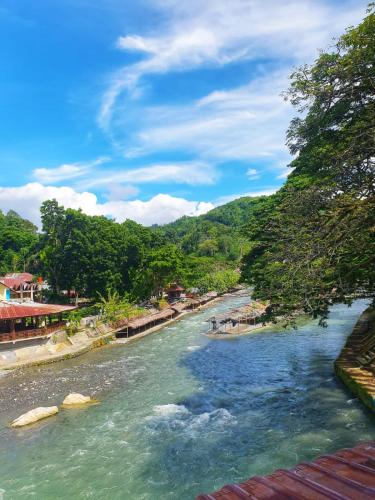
29 319
130 328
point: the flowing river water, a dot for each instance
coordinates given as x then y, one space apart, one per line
181 413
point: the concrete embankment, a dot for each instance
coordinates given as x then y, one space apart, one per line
355 365
54 350
61 347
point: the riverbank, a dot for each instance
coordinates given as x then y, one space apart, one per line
258 403
356 363
81 343
53 352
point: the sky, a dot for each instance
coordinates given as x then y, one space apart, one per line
151 109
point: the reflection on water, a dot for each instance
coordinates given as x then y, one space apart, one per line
181 413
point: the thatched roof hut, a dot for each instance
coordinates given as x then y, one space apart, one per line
136 323
180 306
246 314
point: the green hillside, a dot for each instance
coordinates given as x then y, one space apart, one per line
18 238
217 234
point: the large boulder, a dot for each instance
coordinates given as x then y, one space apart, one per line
34 415
75 399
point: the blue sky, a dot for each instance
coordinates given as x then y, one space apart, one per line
151 109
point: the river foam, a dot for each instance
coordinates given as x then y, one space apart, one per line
170 409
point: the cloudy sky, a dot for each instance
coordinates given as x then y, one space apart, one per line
151 109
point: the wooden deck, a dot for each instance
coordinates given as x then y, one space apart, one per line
347 474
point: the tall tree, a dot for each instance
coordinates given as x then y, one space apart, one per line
314 241
51 255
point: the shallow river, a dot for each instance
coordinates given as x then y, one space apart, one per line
180 413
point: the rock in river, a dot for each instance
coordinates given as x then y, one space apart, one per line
34 415
77 399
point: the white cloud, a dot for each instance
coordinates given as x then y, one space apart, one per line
216 32
253 194
191 173
285 172
66 171
160 209
121 192
26 199
136 43
252 174
246 123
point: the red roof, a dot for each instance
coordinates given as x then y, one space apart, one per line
13 310
16 280
175 288
20 276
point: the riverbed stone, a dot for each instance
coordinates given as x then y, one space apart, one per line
77 399
34 415
59 337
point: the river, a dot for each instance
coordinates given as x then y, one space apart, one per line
181 413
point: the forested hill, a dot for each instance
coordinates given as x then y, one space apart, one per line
218 233
92 254
18 238
235 214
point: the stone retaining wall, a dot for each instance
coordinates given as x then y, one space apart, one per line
58 349
65 348
355 365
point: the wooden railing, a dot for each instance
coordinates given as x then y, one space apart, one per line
31 332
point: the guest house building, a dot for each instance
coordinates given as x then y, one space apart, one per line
20 287
174 292
22 315
29 319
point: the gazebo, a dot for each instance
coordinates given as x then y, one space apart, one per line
174 292
29 319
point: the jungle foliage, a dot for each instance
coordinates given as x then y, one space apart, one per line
18 239
313 242
217 234
92 254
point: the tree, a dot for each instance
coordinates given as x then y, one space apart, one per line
313 242
18 243
163 266
114 307
51 254
208 247
220 281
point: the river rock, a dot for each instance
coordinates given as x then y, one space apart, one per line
76 399
34 415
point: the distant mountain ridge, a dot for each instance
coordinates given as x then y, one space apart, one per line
216 233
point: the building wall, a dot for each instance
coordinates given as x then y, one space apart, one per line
26 295
4 292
